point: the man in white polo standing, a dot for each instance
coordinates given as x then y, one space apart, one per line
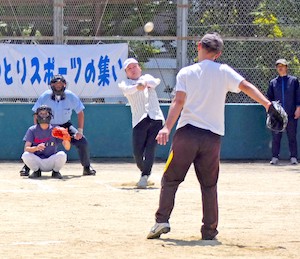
200 103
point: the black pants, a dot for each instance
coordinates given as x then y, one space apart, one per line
144 143
81 145
291 131
202 148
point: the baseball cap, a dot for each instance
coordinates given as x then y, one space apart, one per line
281 61
129 61
212 41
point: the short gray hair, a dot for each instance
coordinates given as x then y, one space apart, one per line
212 42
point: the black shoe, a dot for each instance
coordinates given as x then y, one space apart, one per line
88 170
209 234
56 175
24 171
36 174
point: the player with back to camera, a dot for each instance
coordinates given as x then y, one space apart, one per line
40 149
200 96
63 102
147 117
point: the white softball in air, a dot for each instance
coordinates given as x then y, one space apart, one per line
148 27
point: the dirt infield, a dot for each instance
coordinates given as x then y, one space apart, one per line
105 216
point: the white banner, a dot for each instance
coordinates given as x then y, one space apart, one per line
91 71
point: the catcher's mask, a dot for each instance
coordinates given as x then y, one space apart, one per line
58 85
44 114
277 124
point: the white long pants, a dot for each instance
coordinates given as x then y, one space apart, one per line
54 162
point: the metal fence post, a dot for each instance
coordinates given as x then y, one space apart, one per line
58 20
182 33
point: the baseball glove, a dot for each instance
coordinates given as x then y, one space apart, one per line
61 133
277 118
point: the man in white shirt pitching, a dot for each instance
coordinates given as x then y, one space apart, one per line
200 102
147 117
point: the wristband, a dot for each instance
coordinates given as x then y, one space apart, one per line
80 130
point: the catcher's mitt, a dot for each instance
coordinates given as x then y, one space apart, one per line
277 118
61 133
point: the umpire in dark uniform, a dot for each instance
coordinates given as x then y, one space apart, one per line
285 89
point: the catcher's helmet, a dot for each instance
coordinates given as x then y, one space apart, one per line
55 79
277 118
44 114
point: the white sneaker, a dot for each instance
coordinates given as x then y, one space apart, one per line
158 229
142 183
274 161
294 161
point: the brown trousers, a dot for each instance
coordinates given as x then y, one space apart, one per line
202 148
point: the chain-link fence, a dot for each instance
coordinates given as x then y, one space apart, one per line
256 32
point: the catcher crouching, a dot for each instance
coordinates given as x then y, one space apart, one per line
41 143
63 102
